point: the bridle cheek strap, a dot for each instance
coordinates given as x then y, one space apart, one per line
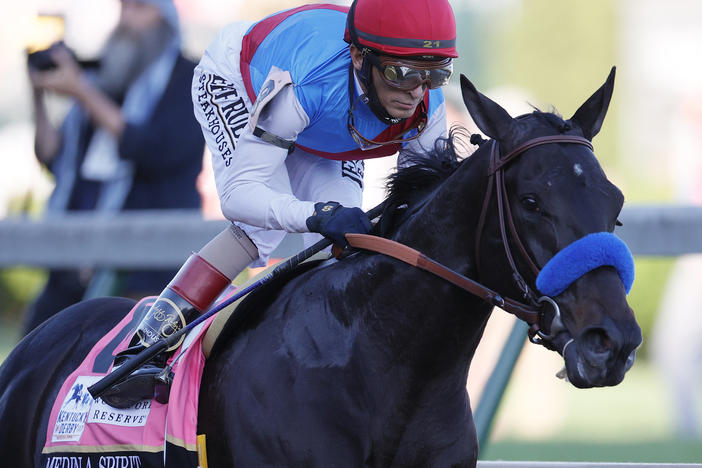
582 256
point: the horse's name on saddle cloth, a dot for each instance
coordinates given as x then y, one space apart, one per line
105 461
80 408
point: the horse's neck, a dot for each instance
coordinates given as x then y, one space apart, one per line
433 320
445 227
419 335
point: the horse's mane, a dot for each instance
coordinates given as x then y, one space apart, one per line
551 118
421 172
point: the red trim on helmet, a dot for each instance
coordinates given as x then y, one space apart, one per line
410 51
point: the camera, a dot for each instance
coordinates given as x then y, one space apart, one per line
41 60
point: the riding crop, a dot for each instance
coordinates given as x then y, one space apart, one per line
136 361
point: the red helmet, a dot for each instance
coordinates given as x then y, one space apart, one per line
403 27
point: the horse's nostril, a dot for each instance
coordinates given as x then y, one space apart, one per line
597 342
605 344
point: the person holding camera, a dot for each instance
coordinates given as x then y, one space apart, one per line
129 141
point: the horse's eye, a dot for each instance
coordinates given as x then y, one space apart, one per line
530 203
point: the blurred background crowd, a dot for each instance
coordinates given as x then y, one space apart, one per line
521 53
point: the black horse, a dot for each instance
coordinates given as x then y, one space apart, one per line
364 361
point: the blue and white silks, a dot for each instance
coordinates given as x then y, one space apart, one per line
582 256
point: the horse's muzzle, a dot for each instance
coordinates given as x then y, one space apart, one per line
600 357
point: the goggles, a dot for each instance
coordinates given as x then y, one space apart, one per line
408 74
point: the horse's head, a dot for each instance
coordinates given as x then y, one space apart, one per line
556 199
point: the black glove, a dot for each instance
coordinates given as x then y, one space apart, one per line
332 220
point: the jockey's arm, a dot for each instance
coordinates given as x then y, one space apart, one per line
436 128
243 177
244 191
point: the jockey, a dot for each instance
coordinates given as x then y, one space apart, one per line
290 107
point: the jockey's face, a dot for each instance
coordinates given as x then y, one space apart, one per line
400 104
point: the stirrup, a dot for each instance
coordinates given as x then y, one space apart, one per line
125 354
152 379
145 383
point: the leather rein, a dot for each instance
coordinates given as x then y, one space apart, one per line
531 312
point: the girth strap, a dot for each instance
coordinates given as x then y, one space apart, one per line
417 259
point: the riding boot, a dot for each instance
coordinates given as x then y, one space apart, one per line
194 288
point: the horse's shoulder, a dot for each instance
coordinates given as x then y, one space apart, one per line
251 310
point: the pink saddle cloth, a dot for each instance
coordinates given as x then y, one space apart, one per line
86 432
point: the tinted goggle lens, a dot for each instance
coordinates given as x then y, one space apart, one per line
406 77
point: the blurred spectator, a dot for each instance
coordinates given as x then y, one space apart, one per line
130 141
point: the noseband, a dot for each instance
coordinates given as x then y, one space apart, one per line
496 179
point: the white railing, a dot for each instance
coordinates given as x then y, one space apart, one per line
164 239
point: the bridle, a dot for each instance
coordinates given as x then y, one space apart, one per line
496 179
532 310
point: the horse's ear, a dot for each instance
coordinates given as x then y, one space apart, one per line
489 116
591 114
